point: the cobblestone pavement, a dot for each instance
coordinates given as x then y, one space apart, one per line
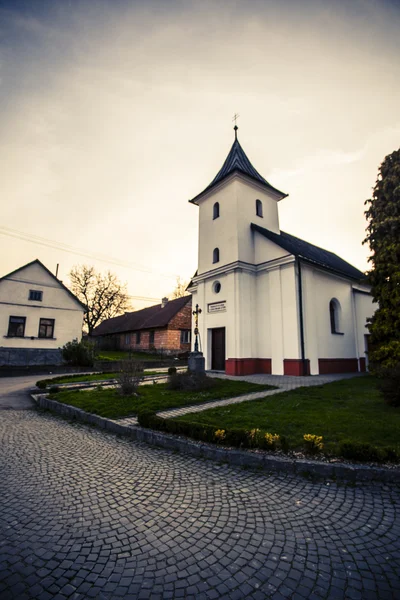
85 514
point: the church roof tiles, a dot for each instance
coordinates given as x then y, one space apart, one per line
237 161
311 253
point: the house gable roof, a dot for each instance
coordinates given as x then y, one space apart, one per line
60 283
309 252
238 162
147 318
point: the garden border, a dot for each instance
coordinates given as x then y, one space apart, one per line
232 456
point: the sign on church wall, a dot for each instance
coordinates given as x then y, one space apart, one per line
217 307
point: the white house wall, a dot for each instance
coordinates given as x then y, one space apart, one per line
56 304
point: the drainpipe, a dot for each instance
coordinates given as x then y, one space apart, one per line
300 288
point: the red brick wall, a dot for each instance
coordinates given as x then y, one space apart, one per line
165 338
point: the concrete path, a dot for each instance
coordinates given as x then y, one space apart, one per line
14 392
86 514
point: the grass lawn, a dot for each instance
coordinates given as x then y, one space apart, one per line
109 403
91 377
351 409
112 355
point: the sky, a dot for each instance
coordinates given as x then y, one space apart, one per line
113 113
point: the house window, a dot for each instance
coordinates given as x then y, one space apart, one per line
151 338
334 315
216 255
127 339
46 328
16 327
259 208
35 295
185 336
138 337
216 210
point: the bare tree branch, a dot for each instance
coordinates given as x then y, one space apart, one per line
104 295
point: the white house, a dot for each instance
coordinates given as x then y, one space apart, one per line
271 302
38 315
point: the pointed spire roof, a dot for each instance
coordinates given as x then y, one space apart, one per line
237 161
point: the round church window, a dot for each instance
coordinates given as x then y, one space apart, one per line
216 287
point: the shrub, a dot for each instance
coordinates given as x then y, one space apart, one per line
190 381
313 443
389 384
41 384
54 389
81 354
130 377
172 371
254 438
361 452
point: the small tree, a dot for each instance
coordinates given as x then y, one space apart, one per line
80 354
104 295
180 289
383 237
130 377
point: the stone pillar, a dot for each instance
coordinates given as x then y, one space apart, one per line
196 362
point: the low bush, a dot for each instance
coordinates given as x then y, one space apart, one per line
238 438
172 371
130 377
190 381
367 452
54 389
80 354
41 384
389 384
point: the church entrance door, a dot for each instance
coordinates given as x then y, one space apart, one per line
218 349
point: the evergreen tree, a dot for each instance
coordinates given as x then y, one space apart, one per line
383 237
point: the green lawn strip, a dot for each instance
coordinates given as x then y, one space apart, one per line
351 409
109 403
92 377
113 355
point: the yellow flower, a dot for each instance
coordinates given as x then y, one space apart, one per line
272 438
219 434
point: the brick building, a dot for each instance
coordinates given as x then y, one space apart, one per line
164 327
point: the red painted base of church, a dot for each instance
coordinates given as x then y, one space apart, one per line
296 366
363 365
247 366
327 366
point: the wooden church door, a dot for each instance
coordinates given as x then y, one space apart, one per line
218 349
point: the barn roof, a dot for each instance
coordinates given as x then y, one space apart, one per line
311 253
237 161
147 318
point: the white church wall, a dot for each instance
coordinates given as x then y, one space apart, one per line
262 315
247 194
265 250
218 233
364 309
309 318
326 287
290 327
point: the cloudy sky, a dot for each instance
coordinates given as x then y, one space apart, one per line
113 113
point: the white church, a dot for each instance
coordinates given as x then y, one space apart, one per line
271 302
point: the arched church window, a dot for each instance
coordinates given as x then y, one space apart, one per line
334 315
216 210
216 255
259 208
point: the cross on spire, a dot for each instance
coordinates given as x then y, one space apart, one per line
235 118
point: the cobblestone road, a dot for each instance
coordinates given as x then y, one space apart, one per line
84 514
